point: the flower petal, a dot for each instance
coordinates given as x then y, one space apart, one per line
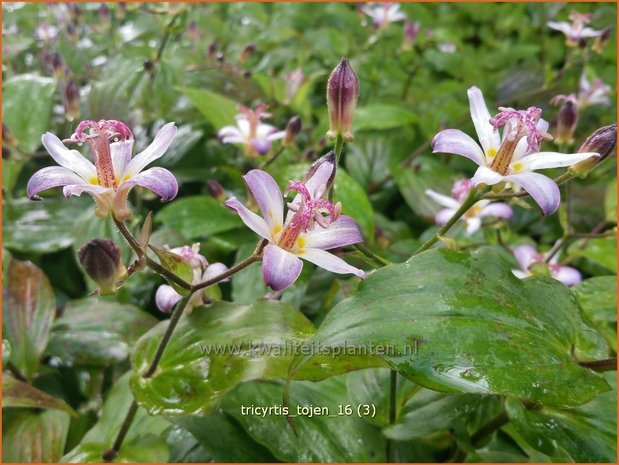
230 131
456 142
497 209
330 262
67 158
487 176
158 180
472 224
488 137
525 255
276 135
280 268
342 232
562 26
251 220
213 270
166 298
567 275
543 190
443 200
444 215
121 156
79 189
543 160
155 150
268 196
52 176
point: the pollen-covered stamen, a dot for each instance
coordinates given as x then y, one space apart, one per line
97 134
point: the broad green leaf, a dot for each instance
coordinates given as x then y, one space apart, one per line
379 116
184 447
143 443
602 252
174 263
27 107
598 297
35 437
424 173
328 437
194 374
16 393
217 109
97 332
584 434
224 439
29 308
477 328
198 217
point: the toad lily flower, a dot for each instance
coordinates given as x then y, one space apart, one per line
166 297
576 30
304 232
527 256
512 158
384 13
249 131
113 174
474 215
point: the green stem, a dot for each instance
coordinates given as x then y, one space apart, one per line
474 196
497 422
273 158
111 453
371 255
339 145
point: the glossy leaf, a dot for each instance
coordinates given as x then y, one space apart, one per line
35 437
477 328
97 332
217 109
320 438
598 297
28 314
143 442
16 393
584 434
198 217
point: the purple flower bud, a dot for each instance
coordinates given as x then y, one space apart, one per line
324 169
567 119
215 190
193 32
212 50
247 52
600 41
602 141
166 298
411 31
6 153
293 128
71 32
342 94
57 65
100 258
71 100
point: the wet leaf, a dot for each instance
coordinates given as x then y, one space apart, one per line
16 393
598 297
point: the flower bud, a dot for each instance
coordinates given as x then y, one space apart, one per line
342 94
324 167
600 41
71 32
6 153
567 120
100 258
7 135
602 141
166 298
293 128
212 50
411 31
247 52
71 100
215 190
193 32
57 65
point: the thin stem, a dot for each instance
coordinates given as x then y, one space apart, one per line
111 453
273 158
474 196
497 422
371 255
166 37
339 145
609 364
393 393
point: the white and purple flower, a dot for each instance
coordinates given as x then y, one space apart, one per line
473 217
251 132
576 30
592 93
383 13
113 174
166 297
311 226
527 256
515 156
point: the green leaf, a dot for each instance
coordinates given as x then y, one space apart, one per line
143 443
602 252
16 393
217 109
610 203
413 181
598 297
198 217
6 352
378 116
189 380
584 434
27 107
29 311
461 322
35 437
175 263
97 332
321 438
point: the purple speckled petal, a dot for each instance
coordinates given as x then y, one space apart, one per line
456 142
52 176
268 196
251 220
67 158
158 180
280 269
542 189
342 232
330 262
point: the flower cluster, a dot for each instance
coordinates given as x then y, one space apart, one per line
527 258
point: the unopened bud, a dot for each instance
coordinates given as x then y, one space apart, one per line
215 190
193 32
600 41
71 101
411 31
100 258
567 119
212 50
149 67
602 141
293 128
104 17
166 298
57 65
342 94
323 168
247 52
71 32
6 153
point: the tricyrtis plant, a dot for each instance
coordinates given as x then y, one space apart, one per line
318 285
